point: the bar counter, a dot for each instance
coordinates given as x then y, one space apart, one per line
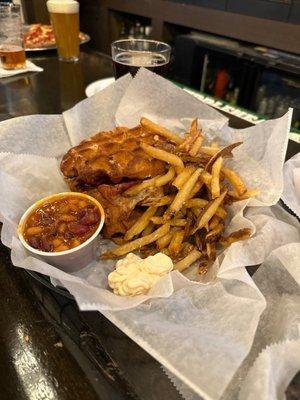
49 349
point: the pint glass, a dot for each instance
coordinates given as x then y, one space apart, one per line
130 54
64 15
12 54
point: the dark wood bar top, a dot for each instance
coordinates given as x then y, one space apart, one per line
49 349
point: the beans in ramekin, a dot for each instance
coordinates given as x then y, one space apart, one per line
61 224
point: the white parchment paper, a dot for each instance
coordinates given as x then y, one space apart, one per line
272 353
291 191
200 332
274 358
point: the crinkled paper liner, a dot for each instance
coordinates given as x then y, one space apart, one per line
215 322
291 193
274 358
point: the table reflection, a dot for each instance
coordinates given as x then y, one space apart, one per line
71 83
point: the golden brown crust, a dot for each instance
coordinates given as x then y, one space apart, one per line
113 156
107 164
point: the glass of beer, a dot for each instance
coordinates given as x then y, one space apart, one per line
12 54
64 16
131 54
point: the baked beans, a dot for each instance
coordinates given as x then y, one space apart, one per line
61 224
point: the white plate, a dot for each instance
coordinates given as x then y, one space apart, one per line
96 86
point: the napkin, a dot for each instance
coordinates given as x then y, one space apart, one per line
291 190
29 67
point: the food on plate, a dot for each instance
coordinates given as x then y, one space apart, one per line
40 35
134 275
62 223
107 165
161 193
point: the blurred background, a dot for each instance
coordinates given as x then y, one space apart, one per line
245 52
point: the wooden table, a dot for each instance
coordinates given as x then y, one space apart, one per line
49 349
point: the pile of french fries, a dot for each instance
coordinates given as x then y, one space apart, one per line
188 222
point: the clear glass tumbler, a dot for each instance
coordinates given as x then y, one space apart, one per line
130 54
12 53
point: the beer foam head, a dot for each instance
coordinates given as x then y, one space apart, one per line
63 6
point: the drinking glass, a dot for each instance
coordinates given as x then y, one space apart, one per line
64 15
130 54
12 54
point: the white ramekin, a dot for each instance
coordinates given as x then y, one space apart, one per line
69 260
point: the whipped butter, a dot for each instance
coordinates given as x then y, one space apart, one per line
134 275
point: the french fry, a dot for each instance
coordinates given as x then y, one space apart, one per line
172 222
164 201
184 192
185 250
196 189
215 180
221 213
193 140
196 146
163 155
148 251
201 159
140 186
165 251
176 242
214 222
195 202
181 213
187 261
159 130
211 251
190 137
249 193
164 179
140 224
206 177
118 240
160 180
235 180
188 222
225 152
194 127
137 243
198 241
214 233
187 227
241 234
209 212
165 240
149 229
210 151
183 176
197 211
204 265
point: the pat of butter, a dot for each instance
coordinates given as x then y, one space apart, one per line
134 275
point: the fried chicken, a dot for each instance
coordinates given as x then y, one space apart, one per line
106 165
120 210
112 157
